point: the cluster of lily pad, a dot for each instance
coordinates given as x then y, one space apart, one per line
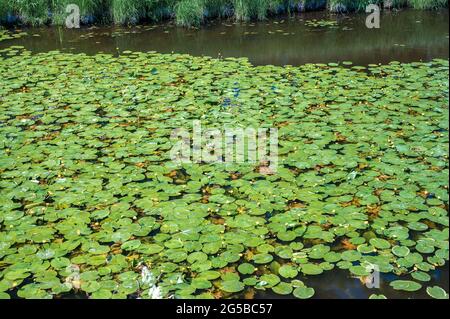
90 202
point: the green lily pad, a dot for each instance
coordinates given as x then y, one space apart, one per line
288 271
380 243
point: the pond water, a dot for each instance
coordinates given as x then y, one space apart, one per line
404 36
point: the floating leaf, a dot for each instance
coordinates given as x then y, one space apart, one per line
405 285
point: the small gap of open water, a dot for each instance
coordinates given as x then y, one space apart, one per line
406 36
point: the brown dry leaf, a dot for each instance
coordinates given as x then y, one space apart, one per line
378 192
315 107
362 165
133 257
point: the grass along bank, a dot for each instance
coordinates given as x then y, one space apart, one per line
184 12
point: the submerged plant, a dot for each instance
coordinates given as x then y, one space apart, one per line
218 8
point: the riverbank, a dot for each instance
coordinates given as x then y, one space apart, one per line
184 12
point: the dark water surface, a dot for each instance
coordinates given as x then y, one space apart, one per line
405 36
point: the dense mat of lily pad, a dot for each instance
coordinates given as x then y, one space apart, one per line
90 202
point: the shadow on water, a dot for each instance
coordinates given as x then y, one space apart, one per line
405 36
339 284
